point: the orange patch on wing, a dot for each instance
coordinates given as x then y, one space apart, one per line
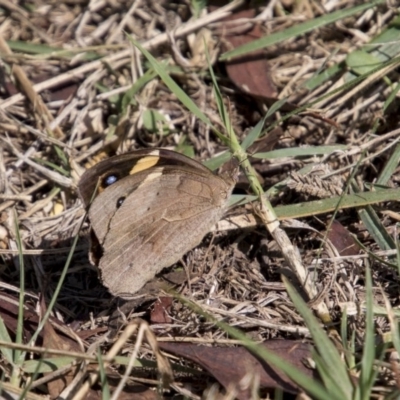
144 163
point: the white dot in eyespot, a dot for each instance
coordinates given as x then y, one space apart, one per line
120 201
110 179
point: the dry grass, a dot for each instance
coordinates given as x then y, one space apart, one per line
62 110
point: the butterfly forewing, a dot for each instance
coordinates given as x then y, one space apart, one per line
128 164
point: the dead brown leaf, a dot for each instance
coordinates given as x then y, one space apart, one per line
229 365
160 312
52 340
342 240
251 72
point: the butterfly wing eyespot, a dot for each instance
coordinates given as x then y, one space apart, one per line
109 180
120 201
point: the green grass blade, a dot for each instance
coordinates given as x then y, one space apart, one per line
390 166
328 205
172 85
215 162
226 121
362 62
297 30
374 225
47 365
320 78
325 373
18 354
32 48
52 166
105 387
88 53
129 96
392 97
376 229
4 336
368 372
254 134
333 364
301 151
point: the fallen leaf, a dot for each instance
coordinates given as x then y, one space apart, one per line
341 238
160 312
251 72
230 364
131 391
9 313
52 340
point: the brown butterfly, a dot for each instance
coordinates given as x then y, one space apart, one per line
149 208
